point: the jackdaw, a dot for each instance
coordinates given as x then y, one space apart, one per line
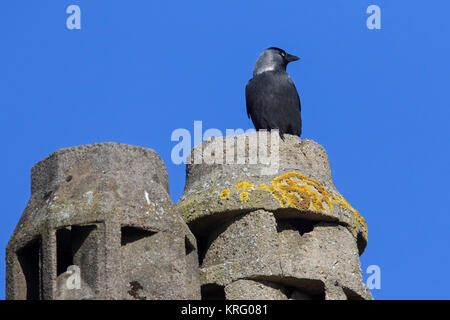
271 96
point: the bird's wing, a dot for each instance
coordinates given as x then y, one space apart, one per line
273 103
249 107
254 95
296 91
261 98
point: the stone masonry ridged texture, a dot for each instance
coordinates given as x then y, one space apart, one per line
106 209
287 235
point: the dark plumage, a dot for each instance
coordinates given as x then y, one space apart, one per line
271 96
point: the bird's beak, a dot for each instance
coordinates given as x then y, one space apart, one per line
290 58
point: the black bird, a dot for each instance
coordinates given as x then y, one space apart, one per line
271 96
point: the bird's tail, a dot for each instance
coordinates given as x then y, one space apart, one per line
280 132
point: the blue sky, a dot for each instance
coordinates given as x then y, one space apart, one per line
377 100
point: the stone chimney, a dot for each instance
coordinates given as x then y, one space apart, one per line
262 220
285 235
100 224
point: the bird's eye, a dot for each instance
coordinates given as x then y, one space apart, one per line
283 54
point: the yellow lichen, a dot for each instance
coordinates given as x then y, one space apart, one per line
244 196
296 190
244 186
360 219
300 191
224 194
277 195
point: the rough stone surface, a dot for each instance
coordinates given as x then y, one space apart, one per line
294 253
301 187
267 290
250 239
334 292
327 253
106 208
254 290
284 235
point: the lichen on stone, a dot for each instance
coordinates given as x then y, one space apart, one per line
244 195
224 194
244 185
296 190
